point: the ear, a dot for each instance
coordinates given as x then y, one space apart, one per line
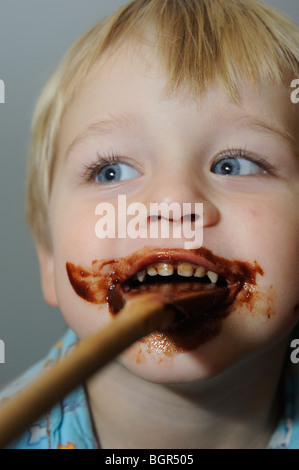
46 265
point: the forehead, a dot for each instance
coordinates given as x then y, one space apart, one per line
126 87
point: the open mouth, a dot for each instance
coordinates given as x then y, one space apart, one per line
172 272
190 287
211 282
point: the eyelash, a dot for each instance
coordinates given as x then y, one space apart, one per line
243 153
90 171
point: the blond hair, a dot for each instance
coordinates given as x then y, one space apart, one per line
199 42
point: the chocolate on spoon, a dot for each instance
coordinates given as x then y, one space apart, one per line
185 302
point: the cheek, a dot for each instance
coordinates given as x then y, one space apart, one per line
74 232
269 233
74 241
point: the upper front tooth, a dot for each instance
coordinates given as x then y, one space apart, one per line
141 275
165 269
151 271
185 269
200 271
212 276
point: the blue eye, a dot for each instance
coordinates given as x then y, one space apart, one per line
115 172
236 166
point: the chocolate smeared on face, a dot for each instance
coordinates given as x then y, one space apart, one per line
113 282
109 280
80 280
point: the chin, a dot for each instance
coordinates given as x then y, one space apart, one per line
157 365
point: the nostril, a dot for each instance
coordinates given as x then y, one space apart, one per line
154 218
190 217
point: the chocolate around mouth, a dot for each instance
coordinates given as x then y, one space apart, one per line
114 281
109 282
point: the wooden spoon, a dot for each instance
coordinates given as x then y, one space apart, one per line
140 316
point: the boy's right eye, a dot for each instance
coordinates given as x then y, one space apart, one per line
111 169
116 172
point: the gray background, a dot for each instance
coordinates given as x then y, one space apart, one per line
34 34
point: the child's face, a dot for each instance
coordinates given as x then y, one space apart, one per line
180 149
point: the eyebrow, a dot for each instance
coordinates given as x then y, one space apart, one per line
103 127
123 121
264 126
279 132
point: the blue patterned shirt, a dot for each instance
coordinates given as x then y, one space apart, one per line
68 425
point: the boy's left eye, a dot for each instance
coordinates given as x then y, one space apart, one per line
115 172
237 166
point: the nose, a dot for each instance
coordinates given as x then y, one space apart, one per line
173 210
185 197
178 208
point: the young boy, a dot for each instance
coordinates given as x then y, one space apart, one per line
174 101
